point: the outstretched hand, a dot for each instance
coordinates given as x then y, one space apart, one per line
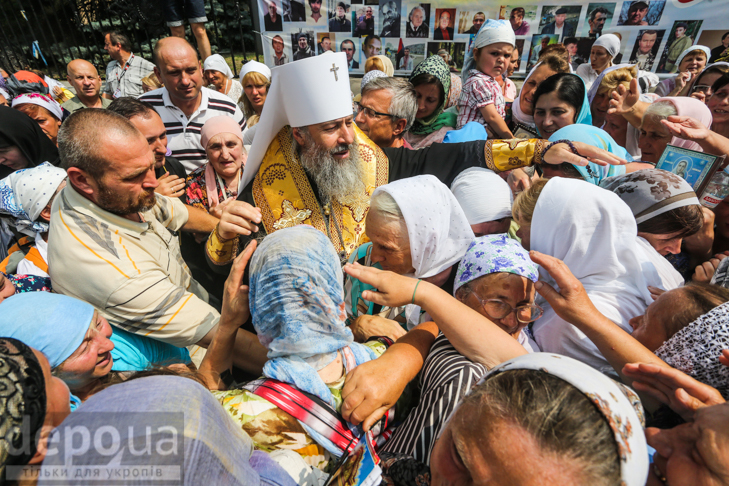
623 100
687 128
571 302
235 310
561 152
393 290
683 394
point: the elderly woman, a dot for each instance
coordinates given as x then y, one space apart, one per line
608 81
220 77
496 279
485 199
605 48
596 236
520 119
44 110
33 403
432 81
690 64
217 181
78 341
298 312
655 136
26 196
256 79
416 227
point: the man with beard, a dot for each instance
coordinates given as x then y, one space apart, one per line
111 240
390 15
312 165
304 49
597 19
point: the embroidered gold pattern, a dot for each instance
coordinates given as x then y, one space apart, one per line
291 216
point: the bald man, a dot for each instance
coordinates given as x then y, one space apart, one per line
85 79
184 103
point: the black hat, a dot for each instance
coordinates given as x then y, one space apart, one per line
560 11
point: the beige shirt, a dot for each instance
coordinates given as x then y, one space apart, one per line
133 273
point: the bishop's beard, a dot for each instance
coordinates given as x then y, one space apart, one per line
336 179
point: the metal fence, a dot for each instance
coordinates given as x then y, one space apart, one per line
47 34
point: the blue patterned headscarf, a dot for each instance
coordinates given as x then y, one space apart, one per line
494 254
597 137
297 304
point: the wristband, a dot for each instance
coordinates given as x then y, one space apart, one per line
412 301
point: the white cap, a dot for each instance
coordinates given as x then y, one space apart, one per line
302 93
255 67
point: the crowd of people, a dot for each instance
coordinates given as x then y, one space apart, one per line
479 282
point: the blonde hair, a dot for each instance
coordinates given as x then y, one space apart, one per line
152 81
617 77
257 79
523 209
374 64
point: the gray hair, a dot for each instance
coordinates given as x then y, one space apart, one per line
422 10
404 103
661 110
383 204
82 135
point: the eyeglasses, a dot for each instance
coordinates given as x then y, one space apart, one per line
498 309
702 88
370 113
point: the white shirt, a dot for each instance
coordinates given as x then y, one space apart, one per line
183 133
587 74
26 267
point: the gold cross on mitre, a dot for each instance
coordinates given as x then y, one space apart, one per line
334 69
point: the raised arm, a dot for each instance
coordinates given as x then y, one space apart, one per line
691 129
456 320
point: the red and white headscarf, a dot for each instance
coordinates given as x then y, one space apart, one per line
41 100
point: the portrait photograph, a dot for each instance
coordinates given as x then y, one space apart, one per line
680 37
539 42
363 20
445 20
645 50
451 52
641 12
417 21
389 18
293 11
410 56
561 21
519 46
717 41
326 41
351 47
273 16
339 17
470 21
302 44
316 13
277 51
696 168
597 17
521 17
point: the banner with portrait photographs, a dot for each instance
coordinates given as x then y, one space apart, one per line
653 32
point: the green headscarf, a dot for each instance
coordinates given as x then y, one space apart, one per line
436 66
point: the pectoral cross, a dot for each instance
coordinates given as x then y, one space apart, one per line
334 69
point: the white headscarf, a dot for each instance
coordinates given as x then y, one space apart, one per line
491 32
216 62
5 94
610 42
483 195
41 100
438 230
255 67
25 193
609 398
594 232
703 49
516 112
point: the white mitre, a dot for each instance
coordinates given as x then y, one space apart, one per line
302 93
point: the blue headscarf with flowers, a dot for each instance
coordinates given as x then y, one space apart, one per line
494 254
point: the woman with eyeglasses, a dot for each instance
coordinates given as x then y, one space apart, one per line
701 86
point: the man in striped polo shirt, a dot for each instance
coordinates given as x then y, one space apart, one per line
184 103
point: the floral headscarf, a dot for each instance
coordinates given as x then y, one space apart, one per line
435 66
494 254
696 348
651 192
